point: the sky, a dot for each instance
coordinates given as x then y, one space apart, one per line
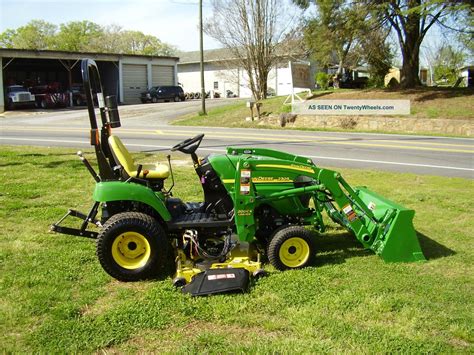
172 21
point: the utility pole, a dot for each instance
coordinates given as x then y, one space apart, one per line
201 47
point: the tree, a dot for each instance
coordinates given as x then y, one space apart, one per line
83 36
447 63
377 54
109 41
466 38
76 36
135 42
334 33
251 31
7 38
343 31
411 20
37 34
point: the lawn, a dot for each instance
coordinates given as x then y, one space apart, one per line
56 298
447 103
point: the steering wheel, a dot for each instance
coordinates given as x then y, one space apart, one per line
190 145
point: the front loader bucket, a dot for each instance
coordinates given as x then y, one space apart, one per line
393 237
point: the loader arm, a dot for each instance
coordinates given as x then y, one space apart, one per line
379 224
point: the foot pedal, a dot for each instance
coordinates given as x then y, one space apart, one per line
214 281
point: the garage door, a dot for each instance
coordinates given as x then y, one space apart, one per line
162 75
134 82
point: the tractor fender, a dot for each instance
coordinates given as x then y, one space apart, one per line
108 191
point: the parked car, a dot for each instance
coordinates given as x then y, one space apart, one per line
17 95
166 93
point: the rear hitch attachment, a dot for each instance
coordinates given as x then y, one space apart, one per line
79 232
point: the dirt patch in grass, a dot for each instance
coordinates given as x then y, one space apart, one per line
113 293
196 334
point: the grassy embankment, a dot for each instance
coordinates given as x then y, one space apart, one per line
56 298
425 103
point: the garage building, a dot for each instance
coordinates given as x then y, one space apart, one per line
123 75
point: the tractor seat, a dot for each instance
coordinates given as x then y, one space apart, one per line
123 157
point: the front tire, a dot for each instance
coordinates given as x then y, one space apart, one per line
132 246
291 248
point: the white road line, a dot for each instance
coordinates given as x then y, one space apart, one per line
223 150
43 140
391 163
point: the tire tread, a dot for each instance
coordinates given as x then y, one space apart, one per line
280 236
152 228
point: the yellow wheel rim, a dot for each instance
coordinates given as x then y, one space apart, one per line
131 250
294 252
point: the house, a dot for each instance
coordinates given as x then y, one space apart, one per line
394 73
222 73
467 74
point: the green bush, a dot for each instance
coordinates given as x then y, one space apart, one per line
322 79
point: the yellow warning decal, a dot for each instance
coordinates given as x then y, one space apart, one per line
269 179
244 212
263 180
289 167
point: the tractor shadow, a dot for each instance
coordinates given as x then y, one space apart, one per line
337 247
423 94
319 94
432 249
74 162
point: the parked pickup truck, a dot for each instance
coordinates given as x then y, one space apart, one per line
17 95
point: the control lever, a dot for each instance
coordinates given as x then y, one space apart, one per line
139 170
88 166
172 176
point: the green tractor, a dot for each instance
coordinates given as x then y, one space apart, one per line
256 202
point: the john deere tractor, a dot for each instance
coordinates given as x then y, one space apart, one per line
257 202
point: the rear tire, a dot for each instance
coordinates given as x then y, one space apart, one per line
176 99
132 246
291 248
154 100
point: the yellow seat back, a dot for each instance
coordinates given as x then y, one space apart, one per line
122 155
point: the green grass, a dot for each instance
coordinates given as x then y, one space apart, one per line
233 115
431 103
54 296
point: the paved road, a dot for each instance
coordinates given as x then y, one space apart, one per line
145 128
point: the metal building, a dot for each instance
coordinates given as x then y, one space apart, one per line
123 75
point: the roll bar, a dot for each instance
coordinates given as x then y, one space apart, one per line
98 138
